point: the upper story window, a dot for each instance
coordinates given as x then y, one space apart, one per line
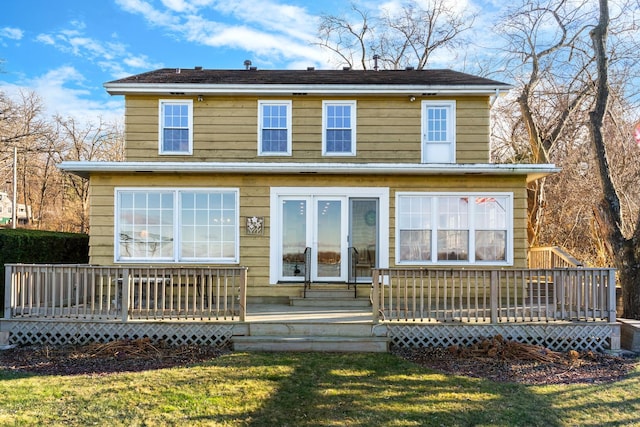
339 128
438 131
176 126
274 128
454 228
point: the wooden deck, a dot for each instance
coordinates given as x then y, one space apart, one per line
560 308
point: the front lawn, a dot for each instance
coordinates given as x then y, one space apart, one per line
307 389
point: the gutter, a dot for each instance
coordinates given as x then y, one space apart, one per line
532 171
305 89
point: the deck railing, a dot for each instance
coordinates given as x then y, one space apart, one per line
494 295
551 257
124 293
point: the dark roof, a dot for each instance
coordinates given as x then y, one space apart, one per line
430 77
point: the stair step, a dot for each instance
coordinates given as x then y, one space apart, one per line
312 343
317 329
329 302
329 293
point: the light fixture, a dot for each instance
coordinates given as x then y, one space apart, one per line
200 98
412 98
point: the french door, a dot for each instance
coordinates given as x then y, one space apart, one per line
344 231
318 223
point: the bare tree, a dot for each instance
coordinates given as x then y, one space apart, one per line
101 141
552 92
397 38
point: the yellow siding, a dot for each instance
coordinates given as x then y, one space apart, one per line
254 201
226 129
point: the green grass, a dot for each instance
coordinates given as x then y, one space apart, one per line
307 389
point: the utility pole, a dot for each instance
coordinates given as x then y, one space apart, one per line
15 188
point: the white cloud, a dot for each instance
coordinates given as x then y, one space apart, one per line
11 33
270 31
108 55
63 91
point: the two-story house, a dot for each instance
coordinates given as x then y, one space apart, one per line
294 173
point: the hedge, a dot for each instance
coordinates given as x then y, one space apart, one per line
40 247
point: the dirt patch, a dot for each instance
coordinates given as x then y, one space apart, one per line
503 362
100 359
507 361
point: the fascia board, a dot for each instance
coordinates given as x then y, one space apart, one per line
532 171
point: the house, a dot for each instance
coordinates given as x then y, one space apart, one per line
251 167
23 214
309 177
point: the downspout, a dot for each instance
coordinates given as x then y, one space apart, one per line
495 98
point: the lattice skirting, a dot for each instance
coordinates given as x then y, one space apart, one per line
64 333
557 337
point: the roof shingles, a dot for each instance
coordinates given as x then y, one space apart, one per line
430 77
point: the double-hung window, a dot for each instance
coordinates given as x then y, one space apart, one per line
438 131
339 128
454 228
274 128
177 225
176 127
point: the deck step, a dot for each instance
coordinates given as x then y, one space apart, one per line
317 329
329 302
329 293
312 343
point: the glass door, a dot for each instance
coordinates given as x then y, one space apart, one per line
363 237
329 243
295 237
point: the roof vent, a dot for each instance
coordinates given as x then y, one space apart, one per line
346 68
253 68
409 68
177 70
198 68
247 64
311 68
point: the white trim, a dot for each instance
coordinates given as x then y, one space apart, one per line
176 225
353 119
509 241
194 89
288 105
450 106
532 171
381 193
161 104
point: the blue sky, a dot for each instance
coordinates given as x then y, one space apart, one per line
65 50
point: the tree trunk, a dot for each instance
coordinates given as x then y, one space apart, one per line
625 251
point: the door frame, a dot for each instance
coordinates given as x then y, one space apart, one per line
381 193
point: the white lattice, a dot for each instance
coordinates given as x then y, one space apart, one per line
64 333
587 336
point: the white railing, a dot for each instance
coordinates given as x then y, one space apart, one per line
491 295
38 291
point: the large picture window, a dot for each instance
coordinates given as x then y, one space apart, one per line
176 126
339 128
453 228
177 225
274 127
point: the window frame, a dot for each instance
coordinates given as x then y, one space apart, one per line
450 106
176 226
473 226
288 105
353 119
161 126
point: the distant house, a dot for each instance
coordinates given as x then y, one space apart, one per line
23 214
252 167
